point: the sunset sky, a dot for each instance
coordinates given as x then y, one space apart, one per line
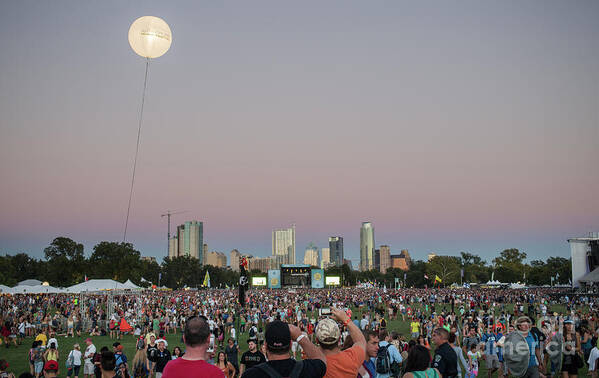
452 126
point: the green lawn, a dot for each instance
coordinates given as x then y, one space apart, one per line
18 357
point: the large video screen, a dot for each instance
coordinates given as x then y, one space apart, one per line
332 280
258 281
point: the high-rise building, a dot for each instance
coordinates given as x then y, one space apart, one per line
377 259
336 250
234 257
173 247
366 246
401 261
311 255
283 244
385 258
325 258
217 259
262 264
205 252
190 240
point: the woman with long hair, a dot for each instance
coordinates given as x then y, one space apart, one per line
140 366
417 366
225 366
177 353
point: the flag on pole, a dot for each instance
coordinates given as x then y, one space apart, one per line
425 277
462 272
86 278
437 279
206 280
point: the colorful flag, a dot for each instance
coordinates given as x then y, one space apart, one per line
437 279
425 277
206 280
86 278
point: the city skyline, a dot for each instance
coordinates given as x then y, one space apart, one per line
469 127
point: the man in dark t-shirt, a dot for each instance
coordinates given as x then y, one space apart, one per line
252 357
278 344
445 359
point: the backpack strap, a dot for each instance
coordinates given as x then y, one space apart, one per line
266 368
297 369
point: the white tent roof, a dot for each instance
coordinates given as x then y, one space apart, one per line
96 285
496 283
30 283
5 289
37 289
130 285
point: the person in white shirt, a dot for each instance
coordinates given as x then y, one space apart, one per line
593 361
88 367
74 362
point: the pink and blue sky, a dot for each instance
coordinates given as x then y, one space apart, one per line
452 126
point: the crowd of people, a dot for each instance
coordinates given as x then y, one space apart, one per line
343 332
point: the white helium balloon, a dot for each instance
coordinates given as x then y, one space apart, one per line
150 36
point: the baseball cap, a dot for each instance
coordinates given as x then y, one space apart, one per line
277 335
51 365
88 339
327 331
568 321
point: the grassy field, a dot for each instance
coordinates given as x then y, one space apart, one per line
18 357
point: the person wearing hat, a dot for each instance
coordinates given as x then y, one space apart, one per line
535 363
278 337
51 369
340 363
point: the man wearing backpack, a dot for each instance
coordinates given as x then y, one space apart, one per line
388 358
278 345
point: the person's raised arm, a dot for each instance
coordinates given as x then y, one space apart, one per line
312 352
356 334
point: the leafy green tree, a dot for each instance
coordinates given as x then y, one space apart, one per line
475 268
178 272
117 261
66 262
415 276
446 267
509 266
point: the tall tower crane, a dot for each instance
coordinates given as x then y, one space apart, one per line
168 216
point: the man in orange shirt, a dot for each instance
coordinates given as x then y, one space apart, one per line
340 363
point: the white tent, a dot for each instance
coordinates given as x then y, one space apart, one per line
30 283
517 285
37 289
5 289
494 283
96 285
131 285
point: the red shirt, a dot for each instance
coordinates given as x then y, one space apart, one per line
181 368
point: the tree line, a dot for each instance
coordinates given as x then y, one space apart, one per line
64 264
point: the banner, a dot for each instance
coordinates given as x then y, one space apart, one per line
317 278
274 279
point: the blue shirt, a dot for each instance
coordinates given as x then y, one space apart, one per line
370 367
393 355
532 345
489 339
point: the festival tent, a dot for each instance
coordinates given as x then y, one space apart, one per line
37 289
5 289
130 285
517 286
30 283
493 283
590 277
96 285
